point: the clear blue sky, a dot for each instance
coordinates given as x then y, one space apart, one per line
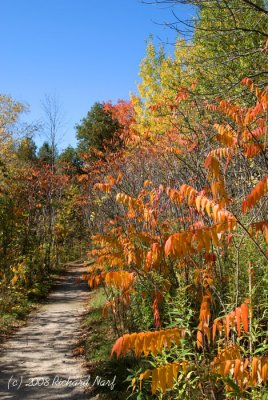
82 50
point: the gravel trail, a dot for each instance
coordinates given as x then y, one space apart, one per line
37 363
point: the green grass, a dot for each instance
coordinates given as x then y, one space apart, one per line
97 347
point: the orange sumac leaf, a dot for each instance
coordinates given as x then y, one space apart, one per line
120 279
227 367
146 342
264 368
237 366
233 319
244 316
145 375
214 329
261 226
255 195
254 368
238 320
226 135
157 320
227 361
164 376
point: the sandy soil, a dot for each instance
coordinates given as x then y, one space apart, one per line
38 360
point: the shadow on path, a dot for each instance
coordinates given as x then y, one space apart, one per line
37 361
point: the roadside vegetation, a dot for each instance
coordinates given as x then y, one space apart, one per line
98 337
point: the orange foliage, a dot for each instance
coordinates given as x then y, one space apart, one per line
147 342
261 226
145 242
204 318
230 362
233 320
255 195
164 376
120 280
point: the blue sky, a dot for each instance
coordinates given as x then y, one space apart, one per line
81 50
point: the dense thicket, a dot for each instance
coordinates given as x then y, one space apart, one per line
181 215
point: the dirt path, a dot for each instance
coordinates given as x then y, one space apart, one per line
37 361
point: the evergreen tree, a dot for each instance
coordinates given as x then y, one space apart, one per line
98 130
45 153
70 157
27 150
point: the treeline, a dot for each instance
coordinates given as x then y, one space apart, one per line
38 220
47 212
46 208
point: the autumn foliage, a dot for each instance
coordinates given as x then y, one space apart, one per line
170 201
185 230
